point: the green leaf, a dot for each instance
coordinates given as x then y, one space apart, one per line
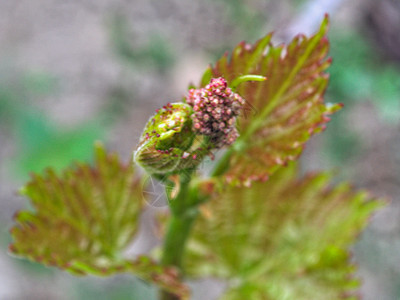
283 111
286 238
84 219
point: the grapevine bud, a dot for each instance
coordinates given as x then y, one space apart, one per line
180 135
165 139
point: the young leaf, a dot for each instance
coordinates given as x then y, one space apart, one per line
84 218
283 111
281 239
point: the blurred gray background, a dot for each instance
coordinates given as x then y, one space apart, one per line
72 72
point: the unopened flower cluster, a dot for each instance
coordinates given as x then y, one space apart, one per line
169 141
215 108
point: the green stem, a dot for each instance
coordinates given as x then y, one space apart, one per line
222 164
183 215
183 207
238 80
178 231
179 228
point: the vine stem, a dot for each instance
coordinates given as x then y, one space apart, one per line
223 164
244 78
184 207
183 215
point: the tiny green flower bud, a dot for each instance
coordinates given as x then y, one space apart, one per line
166 140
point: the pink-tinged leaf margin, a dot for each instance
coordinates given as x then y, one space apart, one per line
84 218
284 111
286 238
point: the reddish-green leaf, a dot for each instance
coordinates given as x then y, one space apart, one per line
83 220
282 239
283 111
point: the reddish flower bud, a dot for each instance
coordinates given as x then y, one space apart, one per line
215 107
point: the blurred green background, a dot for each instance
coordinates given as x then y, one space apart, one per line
78 71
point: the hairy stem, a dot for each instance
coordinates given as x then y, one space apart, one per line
178 231
183 215
222 164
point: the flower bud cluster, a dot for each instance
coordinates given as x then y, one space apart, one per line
215 108
165 140
180 135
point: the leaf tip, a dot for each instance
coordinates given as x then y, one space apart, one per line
23 190
333 107
206 76
99 149
12 249
324 25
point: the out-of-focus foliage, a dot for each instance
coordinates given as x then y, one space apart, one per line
243 17
285 110
84 219
357 75
157 53
287 238
43 144
40 141
119 288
